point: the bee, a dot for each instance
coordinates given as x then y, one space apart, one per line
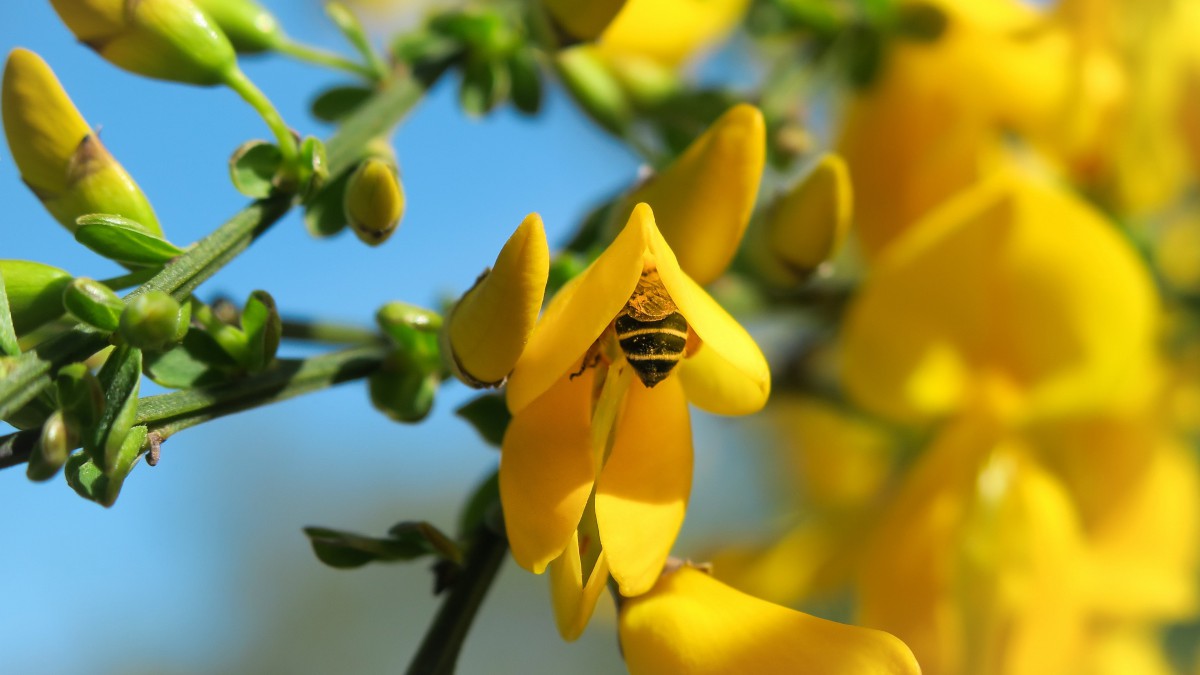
651 332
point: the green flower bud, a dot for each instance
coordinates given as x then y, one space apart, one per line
374 201
59 157
34 292
52 449
413 330
594 87
248 25
163 39
152 321
93 303
404 388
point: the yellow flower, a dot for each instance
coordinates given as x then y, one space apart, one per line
932 121
807 224
704 199
374 201
588 435
61 160
488 328
164 39
693 624
1012 285
666 32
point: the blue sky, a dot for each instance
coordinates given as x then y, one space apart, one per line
201 566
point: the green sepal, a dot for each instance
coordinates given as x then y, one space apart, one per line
263 328
123 240
93 303
314 165
253 168
80 395
197 361
406 541
34 293
55 444
489 415
120 377
335 104
90 482
526 81
324 212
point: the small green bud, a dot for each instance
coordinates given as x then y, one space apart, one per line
93 303
374 201
404 388
163 39
248 25
52 449
152 321
34 292
80 395
594 87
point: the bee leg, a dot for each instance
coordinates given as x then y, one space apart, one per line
590 360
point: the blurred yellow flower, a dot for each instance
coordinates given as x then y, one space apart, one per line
596 459
667 32
690 623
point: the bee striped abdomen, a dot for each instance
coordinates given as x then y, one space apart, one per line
652 347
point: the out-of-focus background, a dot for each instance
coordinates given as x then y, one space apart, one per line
201 566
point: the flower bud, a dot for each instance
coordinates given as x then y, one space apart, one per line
374 201
247 24
488 328
403 389
52 448
34 292
806 226
163 39
152 321
594 87
704 199
93 303
581 21
59 157
80 395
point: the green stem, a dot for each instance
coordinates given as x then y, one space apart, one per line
250 92
330 333
320 57
31 372
443 641
170 413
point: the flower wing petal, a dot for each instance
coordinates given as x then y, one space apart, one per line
643 489
546 471
574 601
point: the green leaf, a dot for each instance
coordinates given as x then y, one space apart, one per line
94 304
124 241
253 168
324 213
119 378
103 488
526 81
263 329
406 541
332 105
483 505
488 414
485 85
199 360
8 334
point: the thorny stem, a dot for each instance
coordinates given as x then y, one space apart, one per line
443 641
31 372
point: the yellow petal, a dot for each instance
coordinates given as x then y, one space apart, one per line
642 492
668 31
732 378
490 326
703 201
691 624
1011 278
574 601
92 20
546 471
806 225
42 125
577 315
